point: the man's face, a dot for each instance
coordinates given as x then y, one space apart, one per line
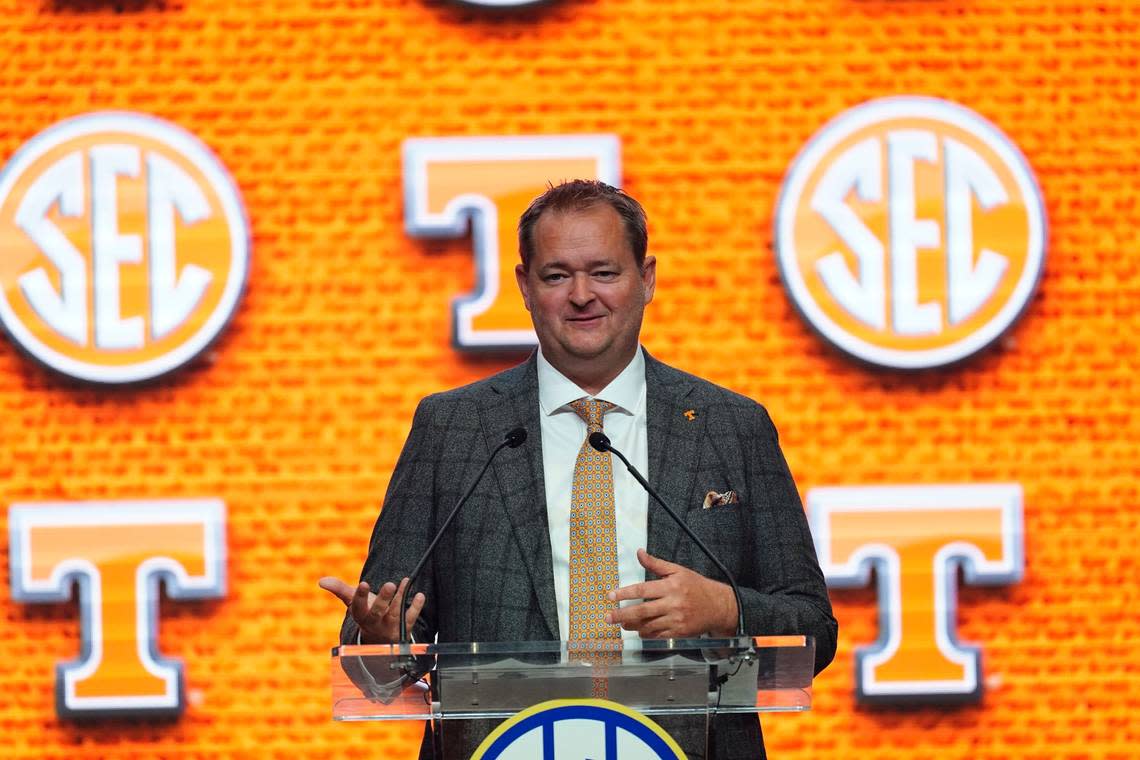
585 292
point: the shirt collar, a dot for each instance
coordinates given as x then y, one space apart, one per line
626 391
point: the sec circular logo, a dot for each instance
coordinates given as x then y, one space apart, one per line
124 247
562 729
910 232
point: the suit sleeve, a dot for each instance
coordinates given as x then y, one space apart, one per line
404 527
785 592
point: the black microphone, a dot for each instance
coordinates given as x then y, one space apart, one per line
513 439
601 443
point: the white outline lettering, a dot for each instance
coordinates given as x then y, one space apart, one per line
208 513
483 215
977 569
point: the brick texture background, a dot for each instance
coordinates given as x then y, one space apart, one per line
296 416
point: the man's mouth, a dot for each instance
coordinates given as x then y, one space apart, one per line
586 321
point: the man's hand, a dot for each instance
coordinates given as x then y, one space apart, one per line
680 604
375 614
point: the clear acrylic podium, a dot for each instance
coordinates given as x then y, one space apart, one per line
656 677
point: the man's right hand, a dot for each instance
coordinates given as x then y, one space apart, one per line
375 614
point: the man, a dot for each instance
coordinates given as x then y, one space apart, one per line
506 568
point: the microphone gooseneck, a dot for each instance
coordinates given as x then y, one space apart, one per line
601 442
513 439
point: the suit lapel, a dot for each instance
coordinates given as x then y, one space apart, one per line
514 402
674 431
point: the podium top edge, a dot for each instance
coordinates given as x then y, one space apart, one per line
662 646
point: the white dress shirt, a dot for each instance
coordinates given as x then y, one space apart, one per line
563 433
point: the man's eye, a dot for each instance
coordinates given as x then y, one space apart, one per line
553 277
605 275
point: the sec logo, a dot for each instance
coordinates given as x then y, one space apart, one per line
124 247
575 729
910 232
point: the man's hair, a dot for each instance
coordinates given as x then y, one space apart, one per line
580 195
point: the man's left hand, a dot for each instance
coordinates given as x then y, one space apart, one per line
679 604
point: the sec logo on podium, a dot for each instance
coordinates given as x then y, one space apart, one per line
579 729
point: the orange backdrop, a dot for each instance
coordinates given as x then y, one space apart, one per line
295 417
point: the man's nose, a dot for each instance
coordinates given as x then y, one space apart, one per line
581 293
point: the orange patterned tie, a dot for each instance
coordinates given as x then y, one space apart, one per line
593 540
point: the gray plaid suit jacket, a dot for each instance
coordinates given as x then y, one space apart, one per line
491 577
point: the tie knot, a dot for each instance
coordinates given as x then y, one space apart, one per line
592 411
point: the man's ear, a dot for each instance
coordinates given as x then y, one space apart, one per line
649 277
520 278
